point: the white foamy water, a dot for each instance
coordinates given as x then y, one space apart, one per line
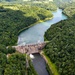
32 56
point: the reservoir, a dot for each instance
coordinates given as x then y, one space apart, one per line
35 34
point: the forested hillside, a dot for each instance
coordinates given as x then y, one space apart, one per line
13 0
68 6
61 46
49 6
25 0
70 10
63 3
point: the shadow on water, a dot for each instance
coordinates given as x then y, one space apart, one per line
39 64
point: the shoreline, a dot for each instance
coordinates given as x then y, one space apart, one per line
49 65
65 14
40 21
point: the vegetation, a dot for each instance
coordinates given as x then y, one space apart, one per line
15 65
6 50
11 25
68 6
50 66
3 61
61 49
48 5
70 10
63 3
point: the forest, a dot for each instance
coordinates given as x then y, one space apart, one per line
15 64
63 3
61 46
68 6
70 10
48 6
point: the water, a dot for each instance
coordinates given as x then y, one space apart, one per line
36 32
39 64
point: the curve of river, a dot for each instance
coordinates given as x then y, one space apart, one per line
36 34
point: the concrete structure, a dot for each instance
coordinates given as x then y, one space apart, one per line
30 48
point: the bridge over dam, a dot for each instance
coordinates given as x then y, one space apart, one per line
30 48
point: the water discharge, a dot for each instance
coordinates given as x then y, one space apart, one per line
32 56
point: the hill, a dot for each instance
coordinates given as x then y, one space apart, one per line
63 3
61 46
70 10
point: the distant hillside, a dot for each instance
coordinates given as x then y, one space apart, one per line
70 10
61 46
63 3
23 0
67 5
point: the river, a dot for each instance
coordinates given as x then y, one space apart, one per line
35 34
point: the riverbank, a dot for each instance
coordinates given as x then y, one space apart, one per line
39 28
34 24
65 14
39 64
50 66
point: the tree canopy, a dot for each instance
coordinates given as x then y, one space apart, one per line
11 25
61 46
70 10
